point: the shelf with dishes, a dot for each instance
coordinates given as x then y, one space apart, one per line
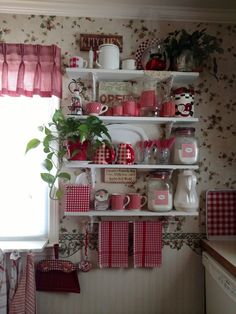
132 213
131 75
134 150
90 165
141 120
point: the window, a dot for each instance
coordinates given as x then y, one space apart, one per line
25 206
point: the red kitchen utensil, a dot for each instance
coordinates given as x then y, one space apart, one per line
85 265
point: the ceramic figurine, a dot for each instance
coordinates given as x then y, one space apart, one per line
101 200
76 87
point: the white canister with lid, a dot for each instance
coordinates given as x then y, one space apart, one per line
159 189
185 150
108 57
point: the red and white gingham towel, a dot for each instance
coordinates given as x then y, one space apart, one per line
113 244
24 300
77 198
147 244
221 212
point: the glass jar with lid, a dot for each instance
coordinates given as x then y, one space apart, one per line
159 188
185 150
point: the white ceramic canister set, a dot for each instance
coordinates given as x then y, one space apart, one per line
107 57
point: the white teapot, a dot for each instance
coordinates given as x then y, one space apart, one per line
186 198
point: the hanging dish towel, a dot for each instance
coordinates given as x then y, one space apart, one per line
113 244
15 270
24 300
147 244
3 284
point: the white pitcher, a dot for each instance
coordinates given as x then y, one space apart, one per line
186 198
108 57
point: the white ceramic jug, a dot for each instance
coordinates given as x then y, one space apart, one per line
186 198
108 57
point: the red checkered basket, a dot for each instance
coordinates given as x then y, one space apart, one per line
56 275
77 198
221 214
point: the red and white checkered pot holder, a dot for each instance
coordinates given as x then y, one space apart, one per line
113 244
147 244
77 198
221 212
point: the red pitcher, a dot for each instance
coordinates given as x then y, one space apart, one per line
126 154
104 155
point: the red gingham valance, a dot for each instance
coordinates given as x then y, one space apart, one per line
29 70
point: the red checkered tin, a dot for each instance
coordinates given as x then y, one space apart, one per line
221 214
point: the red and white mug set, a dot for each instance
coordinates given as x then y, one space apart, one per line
126 108
130 201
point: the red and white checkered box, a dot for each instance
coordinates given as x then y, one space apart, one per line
77 198
221 213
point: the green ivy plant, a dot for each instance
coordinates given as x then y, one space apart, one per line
55 136
201 45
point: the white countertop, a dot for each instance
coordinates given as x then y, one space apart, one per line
224 251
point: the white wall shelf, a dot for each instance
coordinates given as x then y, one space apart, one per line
140 120
83 164
131 75
131 213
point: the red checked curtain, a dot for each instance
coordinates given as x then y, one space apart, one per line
29 70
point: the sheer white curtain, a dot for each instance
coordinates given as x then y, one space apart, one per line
24 204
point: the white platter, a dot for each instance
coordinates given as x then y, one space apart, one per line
131 134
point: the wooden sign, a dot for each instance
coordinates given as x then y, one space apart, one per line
95 40
124 176
112 92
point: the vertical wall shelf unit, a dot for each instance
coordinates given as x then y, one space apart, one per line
96 75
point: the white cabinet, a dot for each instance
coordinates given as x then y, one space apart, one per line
179 78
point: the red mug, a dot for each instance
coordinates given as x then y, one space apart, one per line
78 62
129 108
109 112
137 201
167 109
95 108
118 110
119 201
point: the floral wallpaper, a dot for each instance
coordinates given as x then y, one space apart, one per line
215 104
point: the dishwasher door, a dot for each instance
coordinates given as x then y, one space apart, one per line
220 288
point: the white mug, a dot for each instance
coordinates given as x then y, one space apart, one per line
129 64
108 57
78 62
